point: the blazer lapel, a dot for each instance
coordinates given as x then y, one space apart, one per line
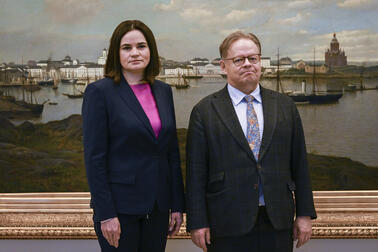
225 110
161 103
270 119
128 96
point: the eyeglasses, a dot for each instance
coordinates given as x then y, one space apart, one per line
239 60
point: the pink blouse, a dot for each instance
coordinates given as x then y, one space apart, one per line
147 101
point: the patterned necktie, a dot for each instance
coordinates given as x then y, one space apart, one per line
253 132
253 138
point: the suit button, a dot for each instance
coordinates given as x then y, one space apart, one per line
258 166
256 186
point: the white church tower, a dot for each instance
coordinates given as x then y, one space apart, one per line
102 59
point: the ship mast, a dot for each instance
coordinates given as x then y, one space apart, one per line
278 84
278 70
313 76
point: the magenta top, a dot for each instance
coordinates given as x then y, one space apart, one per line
144 95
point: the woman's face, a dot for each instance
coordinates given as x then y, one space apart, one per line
134 53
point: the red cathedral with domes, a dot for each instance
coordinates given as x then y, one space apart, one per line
334 57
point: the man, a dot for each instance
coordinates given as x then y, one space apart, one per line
246 159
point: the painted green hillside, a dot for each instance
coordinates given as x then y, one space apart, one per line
49 158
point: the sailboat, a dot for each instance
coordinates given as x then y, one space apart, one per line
75 94
315 97
24 108
181 83
68 78
35 108
191 76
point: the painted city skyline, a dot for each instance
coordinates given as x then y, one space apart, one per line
42 29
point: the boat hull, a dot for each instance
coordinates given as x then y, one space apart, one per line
316 98
46 83
302 98
324 98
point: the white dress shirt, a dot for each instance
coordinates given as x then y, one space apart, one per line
240 106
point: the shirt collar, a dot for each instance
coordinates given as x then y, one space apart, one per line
237 96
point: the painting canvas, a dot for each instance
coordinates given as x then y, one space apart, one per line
321 53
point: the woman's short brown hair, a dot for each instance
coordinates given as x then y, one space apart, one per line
113 68
227 42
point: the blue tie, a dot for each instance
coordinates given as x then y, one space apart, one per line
253 137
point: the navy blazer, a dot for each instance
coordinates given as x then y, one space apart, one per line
128 168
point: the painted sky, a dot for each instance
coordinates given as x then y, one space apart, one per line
38 29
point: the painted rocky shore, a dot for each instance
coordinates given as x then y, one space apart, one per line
49 158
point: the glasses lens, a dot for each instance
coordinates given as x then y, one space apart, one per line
253 59
238 61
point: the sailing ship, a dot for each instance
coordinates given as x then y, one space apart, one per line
76 93
68 78
20 108
316 97
192 76
34 107
180 83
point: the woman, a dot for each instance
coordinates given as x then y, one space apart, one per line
130 147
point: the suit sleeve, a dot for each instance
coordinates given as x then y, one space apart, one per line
95 139
303 193
196 173
177 189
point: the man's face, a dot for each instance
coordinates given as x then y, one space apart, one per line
246 76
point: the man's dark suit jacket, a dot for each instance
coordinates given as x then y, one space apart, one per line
128 168
222 173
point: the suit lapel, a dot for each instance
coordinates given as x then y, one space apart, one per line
128 96
223 106
161 103
269 103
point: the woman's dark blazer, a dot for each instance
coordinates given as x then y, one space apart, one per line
128 168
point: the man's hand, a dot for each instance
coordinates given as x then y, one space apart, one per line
200 237
111 230
302 230
174 223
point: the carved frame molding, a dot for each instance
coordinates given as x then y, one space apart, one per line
341 215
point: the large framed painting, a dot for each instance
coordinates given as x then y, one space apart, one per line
323 54
320 53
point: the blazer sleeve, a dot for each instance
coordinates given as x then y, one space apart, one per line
303 193
177 189
95 139
196 173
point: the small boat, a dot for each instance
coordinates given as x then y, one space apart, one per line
73 96
76 93
192 76
351 87
49 82
52 103
68 81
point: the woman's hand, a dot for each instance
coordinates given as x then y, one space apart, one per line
174 223
111 230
